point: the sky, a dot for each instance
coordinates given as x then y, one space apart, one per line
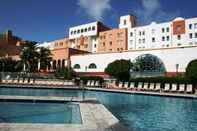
46 20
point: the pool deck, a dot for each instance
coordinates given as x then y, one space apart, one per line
167 94
95 117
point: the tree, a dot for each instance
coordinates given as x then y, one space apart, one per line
9 65
119 69
44 56
32 55
191 70
29 56
65 73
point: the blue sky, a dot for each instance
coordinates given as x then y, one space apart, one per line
45 20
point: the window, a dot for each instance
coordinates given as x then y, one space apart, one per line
131 34
153 31
118 49
179 37
86 29
89 29
131 42
81 30
78 31
167 38
119 34
143 40
71 32
61 43
163 30
167 29
195 26
163 38
76 66
110 43
179 44
56 44
86 45
195 35
75 32
103 43
140 33
94 45
93 27
139 41
143 33
190 35
190 26
153 39
125 22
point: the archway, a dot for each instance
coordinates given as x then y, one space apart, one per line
148 65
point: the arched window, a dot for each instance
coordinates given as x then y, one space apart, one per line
148 62
92 66
76 66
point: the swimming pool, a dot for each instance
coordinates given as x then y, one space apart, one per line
28 112
138 112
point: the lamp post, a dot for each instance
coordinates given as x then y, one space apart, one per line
3 66
3 69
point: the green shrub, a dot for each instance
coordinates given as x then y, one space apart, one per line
119 69
64 73
191 70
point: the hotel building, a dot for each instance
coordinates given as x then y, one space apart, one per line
85 37
174 43
177 33
10 45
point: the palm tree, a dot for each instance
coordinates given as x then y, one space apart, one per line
44 57
29 56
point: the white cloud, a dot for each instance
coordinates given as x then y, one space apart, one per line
95 8
151 5
152 10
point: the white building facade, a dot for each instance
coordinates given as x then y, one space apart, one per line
170 57
177 33
88 31
174 43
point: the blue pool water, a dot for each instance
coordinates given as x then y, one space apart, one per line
137 112
18 112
